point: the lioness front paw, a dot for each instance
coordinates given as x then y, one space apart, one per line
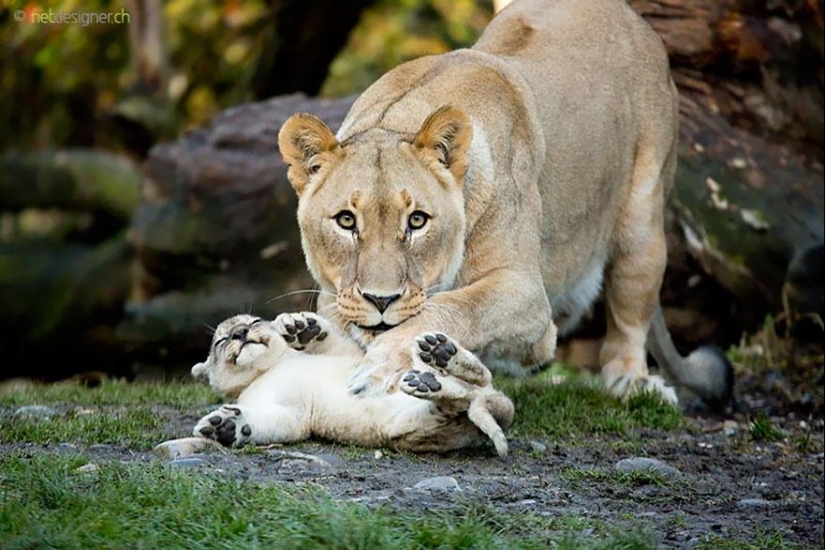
302 331
226 425
627 386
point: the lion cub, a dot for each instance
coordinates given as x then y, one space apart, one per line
290 376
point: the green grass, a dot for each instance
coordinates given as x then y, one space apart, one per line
613 477
579 407
134 416
179 395
46 502
759 540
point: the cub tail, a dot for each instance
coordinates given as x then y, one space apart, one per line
706 371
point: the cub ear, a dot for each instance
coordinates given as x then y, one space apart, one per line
199 370
302 138
447 133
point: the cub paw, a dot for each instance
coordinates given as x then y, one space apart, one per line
436 349
627 386
226 425
302 331
415 382
440 351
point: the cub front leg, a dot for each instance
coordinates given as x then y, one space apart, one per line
227 426
262 424
309 332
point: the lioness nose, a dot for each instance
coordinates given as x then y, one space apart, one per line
381 303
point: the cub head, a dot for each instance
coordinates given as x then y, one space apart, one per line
242 348
381 213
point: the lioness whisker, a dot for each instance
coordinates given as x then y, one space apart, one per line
295 292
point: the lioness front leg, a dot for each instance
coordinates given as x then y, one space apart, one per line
632 285
505 306
309 332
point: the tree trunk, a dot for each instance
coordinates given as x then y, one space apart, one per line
305 39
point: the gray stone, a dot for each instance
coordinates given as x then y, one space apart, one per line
35 411
538 447
182 448
645 464
441 483
747 503
187 462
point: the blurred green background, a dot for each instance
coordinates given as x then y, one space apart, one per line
64 83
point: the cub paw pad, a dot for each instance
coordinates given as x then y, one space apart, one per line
422 382
303 332
222 426
436 348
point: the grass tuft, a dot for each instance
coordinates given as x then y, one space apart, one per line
579 407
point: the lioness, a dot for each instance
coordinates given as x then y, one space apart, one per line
290 381
477 191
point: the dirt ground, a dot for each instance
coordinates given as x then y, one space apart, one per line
726 486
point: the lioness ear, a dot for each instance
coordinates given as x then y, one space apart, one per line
199 370
302 138
447 133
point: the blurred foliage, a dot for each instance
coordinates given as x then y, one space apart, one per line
395 31
60 82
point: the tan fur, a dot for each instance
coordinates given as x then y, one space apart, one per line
543 156
289 386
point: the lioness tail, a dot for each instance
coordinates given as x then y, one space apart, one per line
706 371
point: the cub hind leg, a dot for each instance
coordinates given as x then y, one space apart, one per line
634 278
457 381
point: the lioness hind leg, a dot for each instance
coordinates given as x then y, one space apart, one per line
632 284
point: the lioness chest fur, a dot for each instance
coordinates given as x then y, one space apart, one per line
491 192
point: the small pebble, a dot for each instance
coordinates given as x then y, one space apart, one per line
187 462
440 483
641 463
87 468
730 427
182 448
538 447
746 503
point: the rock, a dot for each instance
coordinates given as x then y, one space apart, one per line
730 428
641 463
187 462
538 447
35 411
182 448
441 483
748 503
87 468
292 457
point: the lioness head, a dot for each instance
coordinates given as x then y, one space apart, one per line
381 213
242 348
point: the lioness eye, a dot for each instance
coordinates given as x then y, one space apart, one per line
418 219
345 220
